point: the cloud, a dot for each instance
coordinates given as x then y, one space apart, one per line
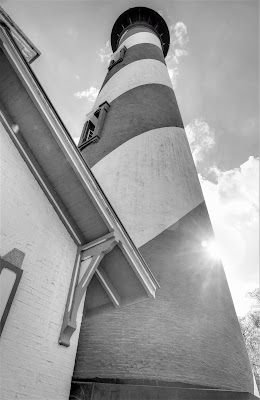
233 205
240 184
90 94
201 138
179 53
105 53
73 33
178 42
179 34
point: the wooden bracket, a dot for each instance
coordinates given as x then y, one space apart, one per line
87 262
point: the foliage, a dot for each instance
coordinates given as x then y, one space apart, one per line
250 327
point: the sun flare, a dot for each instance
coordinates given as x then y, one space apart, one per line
211 248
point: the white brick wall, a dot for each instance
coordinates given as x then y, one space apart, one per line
33 364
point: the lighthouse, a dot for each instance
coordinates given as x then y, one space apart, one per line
187 341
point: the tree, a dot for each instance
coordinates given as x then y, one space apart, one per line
250 327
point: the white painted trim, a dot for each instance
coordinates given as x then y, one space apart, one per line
75 159
90 268
102 239
76 270
137 73
110 290
141 274
140 38
67 145
28 49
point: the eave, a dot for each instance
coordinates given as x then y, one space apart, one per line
67 181
28 49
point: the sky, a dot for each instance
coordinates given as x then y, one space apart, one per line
213 63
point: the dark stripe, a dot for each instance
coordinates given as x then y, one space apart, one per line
136 111
136 53
115 391
143 382
190 333
133 31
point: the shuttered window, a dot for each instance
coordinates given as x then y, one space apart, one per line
92 129
117 57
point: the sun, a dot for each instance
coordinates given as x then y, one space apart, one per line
211 248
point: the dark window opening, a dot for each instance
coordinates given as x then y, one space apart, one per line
96 113
117 57
88 131
93 126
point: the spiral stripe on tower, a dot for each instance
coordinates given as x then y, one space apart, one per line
190 333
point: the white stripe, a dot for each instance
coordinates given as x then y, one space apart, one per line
141 72
151 182
140 38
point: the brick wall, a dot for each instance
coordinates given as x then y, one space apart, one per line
189 334
33 364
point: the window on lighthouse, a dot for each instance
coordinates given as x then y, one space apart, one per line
92 128
117 57
89 131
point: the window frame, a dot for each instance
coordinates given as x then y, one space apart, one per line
18 272
120 56
98 123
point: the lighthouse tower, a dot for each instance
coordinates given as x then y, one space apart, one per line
186 342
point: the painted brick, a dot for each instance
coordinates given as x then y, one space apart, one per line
35 365
132 114
115 391
189 334
135 53
134 30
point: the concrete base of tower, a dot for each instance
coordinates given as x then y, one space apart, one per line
150 390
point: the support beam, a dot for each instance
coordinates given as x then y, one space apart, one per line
108 286
150 287
90 265
104 244
87 262
97 241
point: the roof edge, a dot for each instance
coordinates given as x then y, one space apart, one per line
28 49
78 164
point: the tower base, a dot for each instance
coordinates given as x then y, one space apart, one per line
150 391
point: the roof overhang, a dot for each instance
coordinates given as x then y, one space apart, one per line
53 158
27 48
